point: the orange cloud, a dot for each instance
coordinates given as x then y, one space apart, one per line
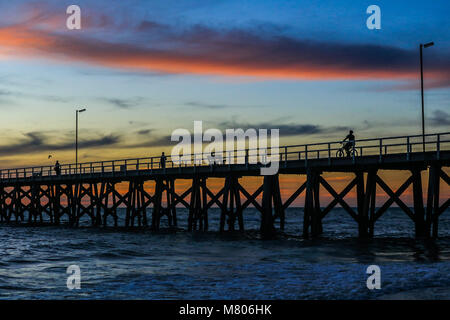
235 55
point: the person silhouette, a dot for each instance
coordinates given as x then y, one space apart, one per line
57 168
351 142
163 161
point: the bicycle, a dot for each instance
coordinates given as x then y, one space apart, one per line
341 153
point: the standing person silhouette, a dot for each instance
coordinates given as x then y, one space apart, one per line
163 161
351 142
57 168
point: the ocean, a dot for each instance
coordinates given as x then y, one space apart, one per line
120 264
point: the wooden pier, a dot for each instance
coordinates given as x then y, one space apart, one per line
28 194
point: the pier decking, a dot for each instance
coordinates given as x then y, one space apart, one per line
28 193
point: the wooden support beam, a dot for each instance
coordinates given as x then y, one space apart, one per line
444 207
170 203
111 192
9 204
444 176
294 196
18 206
339 198
31 195
362 202
316 214
6 202
204 207
436 191
137 213
74 213
267 228
98 203
230 212
251 199
419 210
307 217
215 198
129 203
54 202
156 214
278 203
12 204
167 186
136 206
198 211
44 199
180 199
143 203
372 207
367 218
44 202
391 199
68 192
231 206
224 211
103 204
2 203
81 208
239 209
395 196
432 211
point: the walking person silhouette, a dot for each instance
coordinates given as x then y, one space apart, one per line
163 161
57 168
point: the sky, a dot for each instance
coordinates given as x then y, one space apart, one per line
144 68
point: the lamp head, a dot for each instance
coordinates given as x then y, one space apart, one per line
429 44
81 110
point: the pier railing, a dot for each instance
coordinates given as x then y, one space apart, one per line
326 150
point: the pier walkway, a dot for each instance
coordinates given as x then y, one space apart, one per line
91 188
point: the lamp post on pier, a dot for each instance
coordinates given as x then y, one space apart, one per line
426 45
76 138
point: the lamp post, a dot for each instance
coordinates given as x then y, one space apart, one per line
426 45
76 138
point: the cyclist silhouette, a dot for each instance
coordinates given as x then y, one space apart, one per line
350 144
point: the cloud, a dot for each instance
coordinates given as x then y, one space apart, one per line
212 106
205 105
104 141
440 118
285 129
135 123
144 132
160 141
5 92
33 142
150 26
123 103
17 94
233 52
